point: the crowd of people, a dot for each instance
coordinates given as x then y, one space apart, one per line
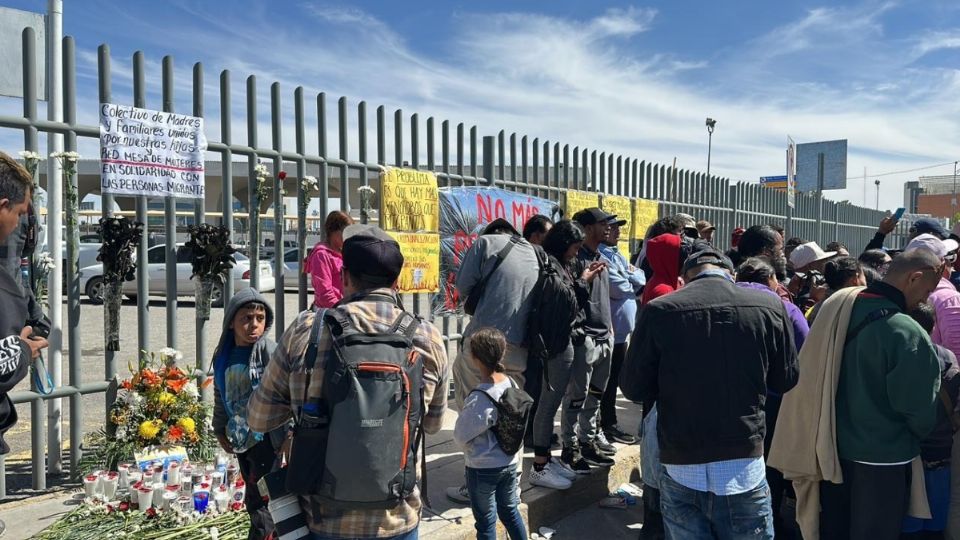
774 375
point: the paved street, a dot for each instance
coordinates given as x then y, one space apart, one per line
92 349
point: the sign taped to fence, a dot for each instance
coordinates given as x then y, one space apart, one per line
464 212
645 214
408 201
421 262
151 153
579 200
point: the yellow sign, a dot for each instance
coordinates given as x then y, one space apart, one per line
622 207
409 201
580 200
645 214
623 247
421 262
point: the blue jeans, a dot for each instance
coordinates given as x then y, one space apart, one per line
412 535
695 515
495 492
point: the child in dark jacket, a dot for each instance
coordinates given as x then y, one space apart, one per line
238 365
936 447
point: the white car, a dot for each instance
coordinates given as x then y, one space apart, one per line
91 277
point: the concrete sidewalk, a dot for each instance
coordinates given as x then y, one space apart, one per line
445 520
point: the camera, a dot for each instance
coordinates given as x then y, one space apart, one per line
284 507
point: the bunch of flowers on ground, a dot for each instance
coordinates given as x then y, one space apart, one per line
158 406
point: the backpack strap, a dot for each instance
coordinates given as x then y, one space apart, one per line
501 255
871 318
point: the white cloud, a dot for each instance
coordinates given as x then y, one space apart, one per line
830 74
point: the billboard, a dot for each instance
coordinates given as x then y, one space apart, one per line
12 23
834 165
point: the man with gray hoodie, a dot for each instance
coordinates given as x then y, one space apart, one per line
238 366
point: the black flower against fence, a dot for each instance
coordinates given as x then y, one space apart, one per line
121 236
211 257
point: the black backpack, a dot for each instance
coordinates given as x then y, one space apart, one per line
513 413
356 447
552 314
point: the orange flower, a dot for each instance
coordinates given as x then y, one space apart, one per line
126 385
149 377
175 433
176 385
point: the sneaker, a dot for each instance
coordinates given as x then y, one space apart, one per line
571 457
594 456
549 478
604 445
615 434
562 469
458 494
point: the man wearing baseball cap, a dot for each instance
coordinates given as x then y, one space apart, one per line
592 348
372 262
710 343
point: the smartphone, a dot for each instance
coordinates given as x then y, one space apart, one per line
899 214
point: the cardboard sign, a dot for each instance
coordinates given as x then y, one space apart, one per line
165 454
579 200
408 201
645 214
421 262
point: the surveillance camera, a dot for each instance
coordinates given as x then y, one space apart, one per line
711 122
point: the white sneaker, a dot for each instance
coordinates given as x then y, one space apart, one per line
562 469
458 494
549 478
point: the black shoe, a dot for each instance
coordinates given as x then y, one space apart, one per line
604 445
592 455
572 458
554 441
615 434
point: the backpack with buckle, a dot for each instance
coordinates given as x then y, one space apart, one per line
356 446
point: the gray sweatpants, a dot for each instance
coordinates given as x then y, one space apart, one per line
557 373
588 379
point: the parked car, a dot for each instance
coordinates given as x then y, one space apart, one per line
292 269
91 277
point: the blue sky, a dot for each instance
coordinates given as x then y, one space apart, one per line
631 78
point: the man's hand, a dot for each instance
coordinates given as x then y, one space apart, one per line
593 270
36 344
887 225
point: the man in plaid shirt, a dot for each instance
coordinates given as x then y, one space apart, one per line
371 264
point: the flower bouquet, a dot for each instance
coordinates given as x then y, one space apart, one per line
158 406
120 238
211 257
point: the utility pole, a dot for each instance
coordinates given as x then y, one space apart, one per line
877 182
711 123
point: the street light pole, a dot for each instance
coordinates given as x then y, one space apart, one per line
877 183
711 123
953 202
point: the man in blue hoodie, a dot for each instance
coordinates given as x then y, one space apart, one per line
626 282
238 365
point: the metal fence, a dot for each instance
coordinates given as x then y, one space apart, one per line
543 168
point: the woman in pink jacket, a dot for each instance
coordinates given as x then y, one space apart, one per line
325 262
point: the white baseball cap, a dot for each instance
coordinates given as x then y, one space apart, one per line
929 242
809 253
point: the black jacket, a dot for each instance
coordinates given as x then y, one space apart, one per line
14 353
707 355
597 322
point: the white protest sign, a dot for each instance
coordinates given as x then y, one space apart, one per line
150 153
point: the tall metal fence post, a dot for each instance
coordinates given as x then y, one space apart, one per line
170 223
143 272
489 158
200 216
53 183
279 213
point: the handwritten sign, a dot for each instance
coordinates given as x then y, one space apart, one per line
409 201
151 153
421 262
464 212
645 214
580 200
622 207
